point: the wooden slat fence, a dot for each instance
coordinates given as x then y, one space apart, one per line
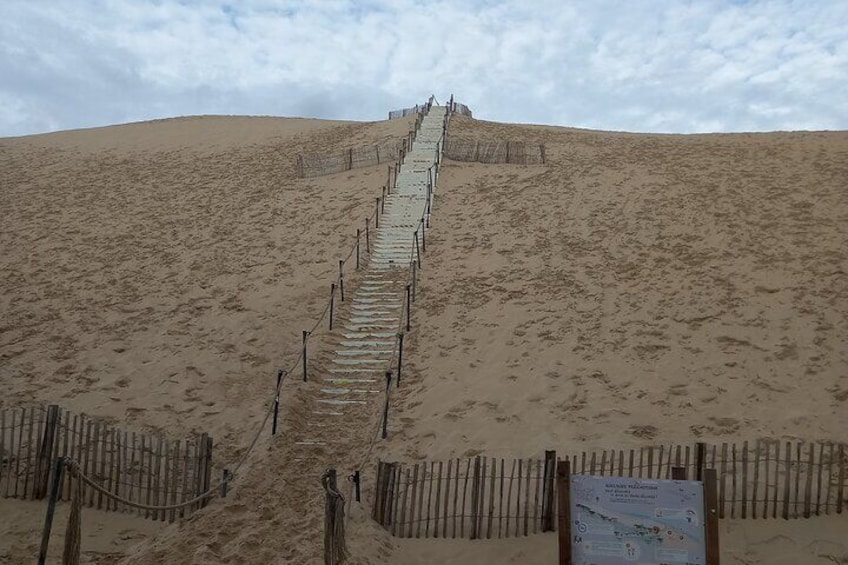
486 497
317 164
493 152
403 112
462 109
142 468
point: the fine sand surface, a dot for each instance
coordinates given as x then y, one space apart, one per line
157 274
637 289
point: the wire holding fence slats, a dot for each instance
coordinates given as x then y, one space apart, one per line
764 479
494 151
136 467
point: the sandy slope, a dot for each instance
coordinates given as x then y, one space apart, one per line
637 289
158 273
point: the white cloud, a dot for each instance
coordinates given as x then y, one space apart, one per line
640 66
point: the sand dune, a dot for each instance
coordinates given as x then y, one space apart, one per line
637 289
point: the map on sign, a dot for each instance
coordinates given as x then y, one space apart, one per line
636 521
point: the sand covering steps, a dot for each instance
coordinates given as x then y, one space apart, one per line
366 332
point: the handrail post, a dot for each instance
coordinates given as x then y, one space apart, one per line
341 279
276 401
377 214
386 405
408 304
358 232
367 236
332 302
51 509
305 335
400 358
414 276
417 250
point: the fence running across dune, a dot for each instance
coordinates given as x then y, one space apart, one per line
141 468
317 164
494 152
484 497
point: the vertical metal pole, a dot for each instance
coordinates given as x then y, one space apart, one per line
400 357
417 250
51 509
332 302
377 214
414 277
276 402
383 201
408 304
305 334
386 405
356 483
358 232
224 480
341 279
367 236
423 235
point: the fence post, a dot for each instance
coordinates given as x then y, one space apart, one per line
356 477
277 401
700 460
305 334
45 451
400 358
367 236
386 405
417 250
299 166
563 482
350 158
51 509
377 214
225 479
548 493
383 201
335 548
358 233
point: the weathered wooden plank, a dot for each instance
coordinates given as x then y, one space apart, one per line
429 498
819 479
592 465
744 479
630 466
583 463
500 502
798 467
650 462
19 456
175 475
840 494
641 462
603 462
808 483
413 496
35 465
438 498
776 478
722 500
464 494
787 481
621 462
494 472
166 477
658 474
767 464
509 498
402 526
518 500
475 493
455 499
395 501
110 475
829 479
481 511
447 500
734 496
527 498
3 458
536 495
29 453
87 448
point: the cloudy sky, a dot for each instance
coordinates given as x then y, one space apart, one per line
636 65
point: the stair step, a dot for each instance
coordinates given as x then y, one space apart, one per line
336 402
